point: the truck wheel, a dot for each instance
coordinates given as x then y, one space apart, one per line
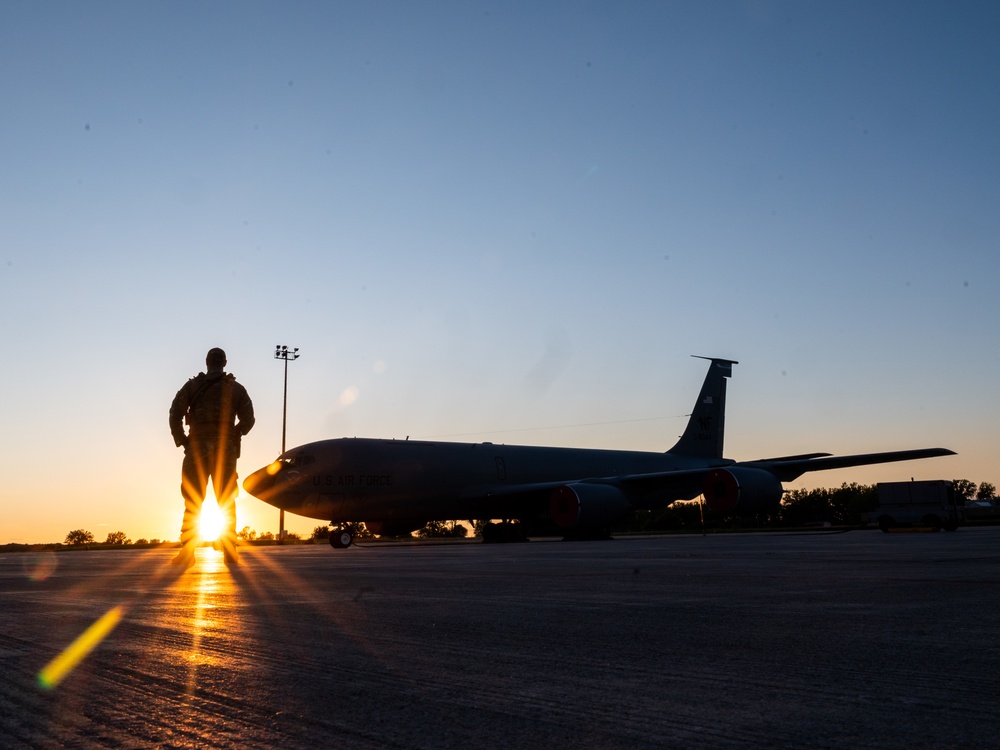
885 523
950 525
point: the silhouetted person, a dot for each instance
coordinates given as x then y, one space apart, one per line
218 413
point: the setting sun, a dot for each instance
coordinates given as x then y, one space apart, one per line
211 522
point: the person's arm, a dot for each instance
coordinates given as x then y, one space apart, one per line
244 412
178 408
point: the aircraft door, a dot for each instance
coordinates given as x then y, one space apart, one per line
501 469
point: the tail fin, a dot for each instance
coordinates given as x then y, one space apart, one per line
707 426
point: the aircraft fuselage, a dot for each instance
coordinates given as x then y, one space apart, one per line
352 479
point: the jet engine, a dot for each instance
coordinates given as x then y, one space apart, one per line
742 491
583 505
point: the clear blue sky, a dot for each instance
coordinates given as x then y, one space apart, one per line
476 219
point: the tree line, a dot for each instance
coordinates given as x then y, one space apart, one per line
846 505
82 537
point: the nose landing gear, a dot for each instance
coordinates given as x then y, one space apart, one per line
341 537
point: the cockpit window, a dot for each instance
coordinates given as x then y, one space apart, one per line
298 459
294 461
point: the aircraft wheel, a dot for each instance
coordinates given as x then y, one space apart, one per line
341 538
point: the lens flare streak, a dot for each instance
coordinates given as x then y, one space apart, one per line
57 669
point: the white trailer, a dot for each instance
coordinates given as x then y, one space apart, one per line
906 504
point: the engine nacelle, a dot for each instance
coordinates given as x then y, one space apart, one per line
584 505
742 491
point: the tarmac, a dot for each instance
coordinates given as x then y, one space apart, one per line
780 640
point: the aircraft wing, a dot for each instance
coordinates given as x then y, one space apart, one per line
650 489
787 469
645 489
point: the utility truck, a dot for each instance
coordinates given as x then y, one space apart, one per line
930 504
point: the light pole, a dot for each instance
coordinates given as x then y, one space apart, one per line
283 352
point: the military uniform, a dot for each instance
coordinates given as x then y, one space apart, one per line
218 413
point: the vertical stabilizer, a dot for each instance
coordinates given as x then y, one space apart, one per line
707 426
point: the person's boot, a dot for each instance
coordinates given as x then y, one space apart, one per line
229 554
184 558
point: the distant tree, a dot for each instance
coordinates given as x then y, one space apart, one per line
437 529
986 491
849 501
842 506
292 535
79 537
247 534
803 506
266 536
117 538
154 541
141 541
359 530
964 489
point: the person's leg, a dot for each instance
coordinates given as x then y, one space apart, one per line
227 488
194 482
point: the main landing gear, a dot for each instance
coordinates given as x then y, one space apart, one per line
341 537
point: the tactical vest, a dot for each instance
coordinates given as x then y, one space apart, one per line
211 412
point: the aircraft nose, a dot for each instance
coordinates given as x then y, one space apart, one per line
260 483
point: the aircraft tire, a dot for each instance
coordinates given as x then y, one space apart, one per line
341 538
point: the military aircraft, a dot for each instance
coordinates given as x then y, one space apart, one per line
397 486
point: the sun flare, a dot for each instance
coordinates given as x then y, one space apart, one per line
211 522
